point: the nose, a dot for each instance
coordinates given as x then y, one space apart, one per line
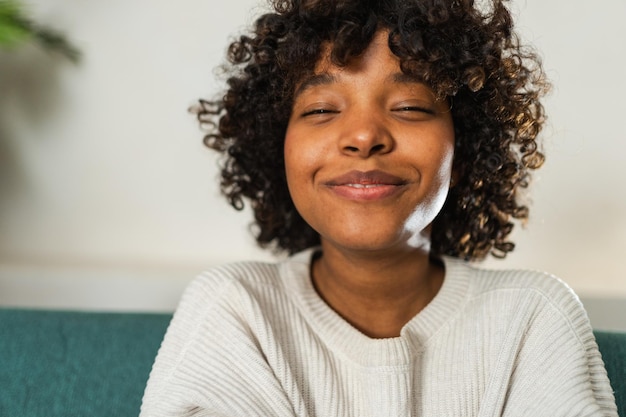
365 135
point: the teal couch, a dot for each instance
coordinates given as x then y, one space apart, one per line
71 364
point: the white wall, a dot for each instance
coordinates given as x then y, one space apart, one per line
109 200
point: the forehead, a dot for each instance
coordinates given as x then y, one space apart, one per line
377 49
376 59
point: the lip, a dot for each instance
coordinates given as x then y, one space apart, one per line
366 186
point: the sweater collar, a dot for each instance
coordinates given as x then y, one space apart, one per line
343 338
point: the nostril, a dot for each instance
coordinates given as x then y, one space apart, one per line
377 148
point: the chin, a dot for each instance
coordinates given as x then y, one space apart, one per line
362 242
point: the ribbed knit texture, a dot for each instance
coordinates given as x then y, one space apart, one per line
255 339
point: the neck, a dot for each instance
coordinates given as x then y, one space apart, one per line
377 293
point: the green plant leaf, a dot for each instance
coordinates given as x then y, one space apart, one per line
11 35
16 27
13 27
9 8
55 41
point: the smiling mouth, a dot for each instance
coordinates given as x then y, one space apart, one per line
366 186
366 179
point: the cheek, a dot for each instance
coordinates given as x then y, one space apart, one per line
444 173
435 153
296 166
304 153
291 157
437 166
446 150
446 161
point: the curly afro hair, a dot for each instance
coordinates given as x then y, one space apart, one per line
466 53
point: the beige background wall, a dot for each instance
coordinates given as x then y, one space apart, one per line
108 199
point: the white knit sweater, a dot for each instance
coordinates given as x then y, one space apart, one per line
255 339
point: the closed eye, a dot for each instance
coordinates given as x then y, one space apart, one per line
318 112
414 113
418 109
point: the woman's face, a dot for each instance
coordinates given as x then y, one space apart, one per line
368 153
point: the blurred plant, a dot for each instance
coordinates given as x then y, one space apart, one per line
16 28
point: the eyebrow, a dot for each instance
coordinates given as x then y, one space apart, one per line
314 80
402 78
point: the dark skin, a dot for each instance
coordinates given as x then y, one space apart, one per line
377 296
368 157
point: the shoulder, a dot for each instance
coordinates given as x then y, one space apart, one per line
518 291
485 281
222 288
218 337
222 300
228 277
236 285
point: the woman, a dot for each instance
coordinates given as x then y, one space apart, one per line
382 144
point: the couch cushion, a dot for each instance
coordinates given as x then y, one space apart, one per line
72 364
612 345
76 364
